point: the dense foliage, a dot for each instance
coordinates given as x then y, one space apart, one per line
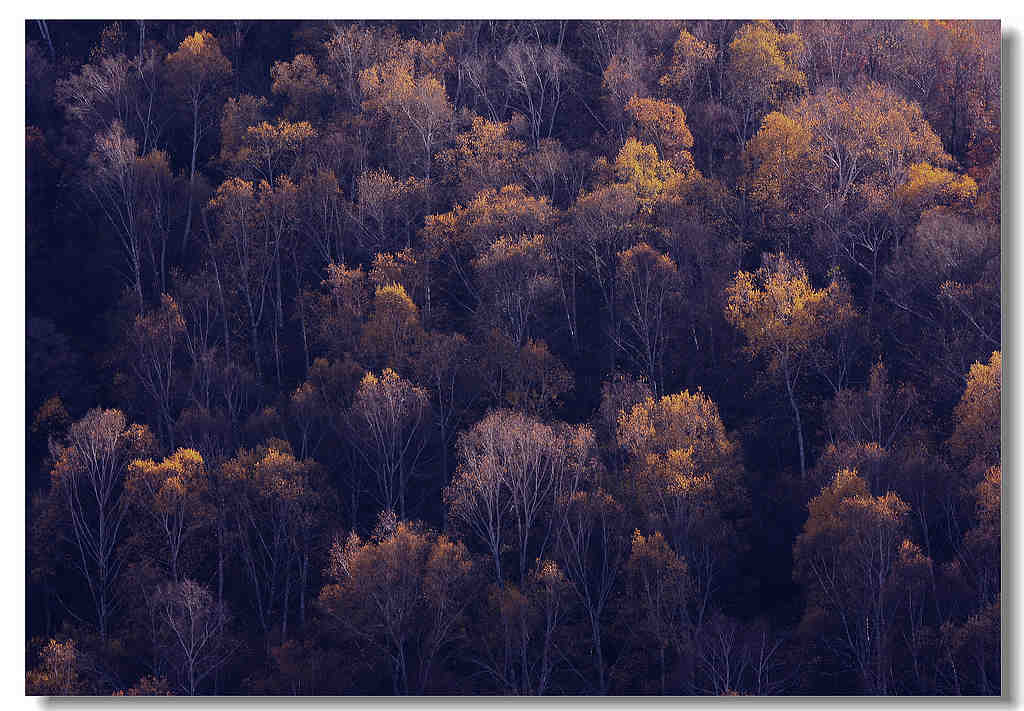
513 357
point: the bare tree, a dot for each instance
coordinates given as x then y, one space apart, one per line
89 472
194 632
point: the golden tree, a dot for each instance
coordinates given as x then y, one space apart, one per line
197 71
977 435
783 317
687 475
763 71
402 593
845 556
172 496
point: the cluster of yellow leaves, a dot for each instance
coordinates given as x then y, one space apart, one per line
492 213
483 157
780 313
399 267
976 438
664 124
166 486
266 143
515 255
852 149
928 186
763 64
845 512
686 423
689 56
681 457
408 87
234 199
779 159
272 473
394 327
198 62
638 166
390 582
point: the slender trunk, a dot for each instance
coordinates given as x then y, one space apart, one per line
191 176
796 418
595 632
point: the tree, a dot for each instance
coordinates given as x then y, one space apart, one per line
519 633
113 87
274 506
530 378
977 435
197 70
238 114
603 225
980 555
389 416
783 317
845 557
648 286
444 366
514 474
156 336
877 416
658 579
537 75
455 238
593 546
412 98
194 628
386 209
514 278
393 331
943 282
402 593
57 673
305 87
688 480
172 496
121 181
870 161
690 66
271 149
663 124
484 157
247 257
762 72
89 472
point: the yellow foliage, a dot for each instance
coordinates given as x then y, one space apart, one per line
638 166
977 415
780 313
689 56
664 124
927 186
763 64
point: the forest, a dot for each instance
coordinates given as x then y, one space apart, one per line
512 357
